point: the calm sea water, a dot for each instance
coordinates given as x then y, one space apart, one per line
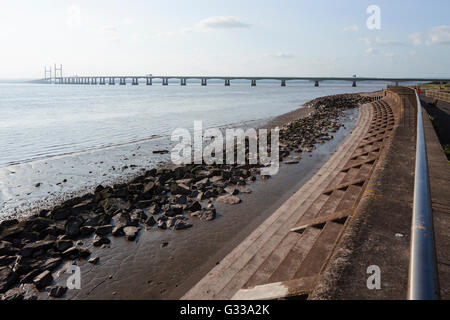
40 121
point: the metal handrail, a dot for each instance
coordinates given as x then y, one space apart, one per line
423 277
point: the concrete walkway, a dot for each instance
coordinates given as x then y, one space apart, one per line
380 235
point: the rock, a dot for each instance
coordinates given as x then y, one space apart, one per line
179 189
154 209
73 226
6 260
100 240
28 278
43 280
30 248
195 206
232 191
150 221
122 219
118 231
181 225
63 245
149 188
245 190
113 205
50 264
76 252
162 222
6 248
87 204
229 199
94 260
8 223
15 294
86 231
131 233
207 215
56 291
60 213
104 230
38 224
7 278
180 199
91 222
174 210
215 179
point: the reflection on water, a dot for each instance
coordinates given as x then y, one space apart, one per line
39 121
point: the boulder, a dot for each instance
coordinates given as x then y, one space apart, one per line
28 249
86 231
100 240
6 260
7 278
118 231
131 233
6 248
94 260
194 206
56 291
104 230
76 252
229 199
73 226
43 280
14 294
63 245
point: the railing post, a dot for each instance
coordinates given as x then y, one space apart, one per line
423 277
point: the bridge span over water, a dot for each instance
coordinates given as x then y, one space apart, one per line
148 80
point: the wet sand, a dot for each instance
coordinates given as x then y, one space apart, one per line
166 264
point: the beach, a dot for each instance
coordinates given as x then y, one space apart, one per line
178 225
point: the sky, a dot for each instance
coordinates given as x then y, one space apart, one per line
408 38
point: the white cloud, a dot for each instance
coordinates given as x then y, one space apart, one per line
383 42
108 29
440 35
353 28
221 22
281 55
109 32
416 38
436 35
367 41
205 25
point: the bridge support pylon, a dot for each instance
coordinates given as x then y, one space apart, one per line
316 83
227 82
112 81
253 83
204 82
165 82
135 82
283 83
183 81
122 82
354 84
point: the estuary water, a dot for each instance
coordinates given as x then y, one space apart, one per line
59 139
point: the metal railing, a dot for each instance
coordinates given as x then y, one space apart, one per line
423 278
440 95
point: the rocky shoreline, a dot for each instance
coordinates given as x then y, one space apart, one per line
166 198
